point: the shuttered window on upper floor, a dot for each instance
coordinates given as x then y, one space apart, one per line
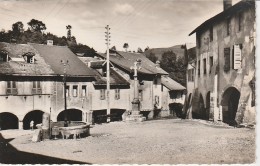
226 59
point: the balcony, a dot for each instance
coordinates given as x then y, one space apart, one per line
11 91
36 91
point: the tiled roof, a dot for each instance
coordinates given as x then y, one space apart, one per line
115 78
16 64
53 56
16 50
126 60
240 6
171 84
47 61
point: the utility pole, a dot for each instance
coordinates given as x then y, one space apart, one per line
108 70
65 63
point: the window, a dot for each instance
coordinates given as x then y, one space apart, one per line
211 33
36 87
102 94
191 75
140 95
3 56
204 66
198 67
240 21
228 26
210 63
227 59
11 87
162 87
67 91
75 90
84 90
29 57
117 94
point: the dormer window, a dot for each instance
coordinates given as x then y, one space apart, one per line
29 57
3 56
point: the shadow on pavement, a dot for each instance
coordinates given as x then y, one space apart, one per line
10 155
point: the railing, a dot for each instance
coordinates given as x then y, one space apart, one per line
36 91
11 91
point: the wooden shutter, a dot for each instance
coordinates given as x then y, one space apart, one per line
237 57
227 59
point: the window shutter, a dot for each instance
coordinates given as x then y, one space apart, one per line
237 57
102 94
227 59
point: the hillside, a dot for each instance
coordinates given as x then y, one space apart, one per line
178 50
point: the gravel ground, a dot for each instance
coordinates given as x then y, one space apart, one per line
171 141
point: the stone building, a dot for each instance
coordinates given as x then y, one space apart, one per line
31 83
119 90
221 79
173 97
149 80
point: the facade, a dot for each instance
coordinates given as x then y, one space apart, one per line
173 97
31 83
221 87
149 80
119 90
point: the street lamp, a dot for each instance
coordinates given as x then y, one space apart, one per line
65 63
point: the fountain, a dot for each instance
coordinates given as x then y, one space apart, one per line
49 129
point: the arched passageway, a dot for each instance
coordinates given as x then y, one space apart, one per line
72 115
35 116
207 105
8 121
230 100
200 112
100 116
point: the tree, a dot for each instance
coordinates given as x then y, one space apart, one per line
152 57
69 27
113 48
139 50
36 25
17 27
168 61
174 66
126 46
147 48
80 48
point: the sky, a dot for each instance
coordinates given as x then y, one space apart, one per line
140 23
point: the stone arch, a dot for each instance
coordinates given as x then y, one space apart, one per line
199 112
8 121
73 114
35 115
229 102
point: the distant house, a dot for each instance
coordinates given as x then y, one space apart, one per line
224 69
173 97
119 90
149 76
31 83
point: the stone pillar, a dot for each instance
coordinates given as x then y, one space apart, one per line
89 117
151 114
20 124
135 115
46 126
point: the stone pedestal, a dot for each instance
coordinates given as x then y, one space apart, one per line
135 114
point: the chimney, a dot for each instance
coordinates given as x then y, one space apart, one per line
157 64
50 42
227 4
